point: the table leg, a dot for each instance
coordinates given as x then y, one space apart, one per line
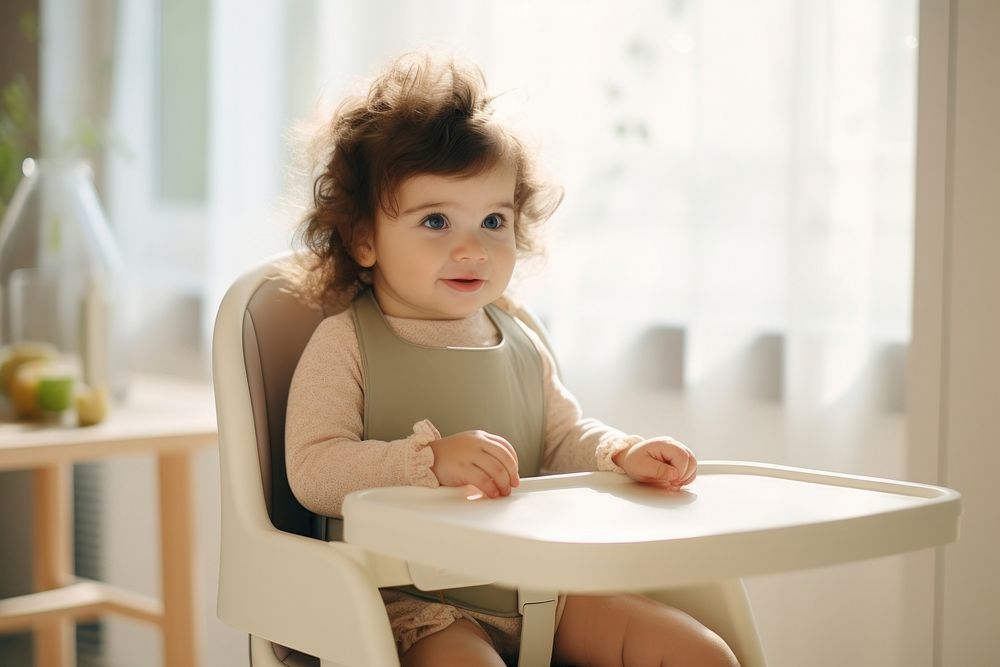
177 554
52 546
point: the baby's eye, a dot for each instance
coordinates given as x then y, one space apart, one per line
493 221
434 221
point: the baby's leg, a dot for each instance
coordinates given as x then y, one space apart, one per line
634 631
461 644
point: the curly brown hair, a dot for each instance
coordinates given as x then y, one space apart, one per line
424 114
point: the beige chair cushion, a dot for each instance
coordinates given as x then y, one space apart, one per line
276 328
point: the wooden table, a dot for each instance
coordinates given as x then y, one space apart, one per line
165 418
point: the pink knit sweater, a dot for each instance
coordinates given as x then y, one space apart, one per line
326 457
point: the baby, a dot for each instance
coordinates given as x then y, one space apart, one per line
429 375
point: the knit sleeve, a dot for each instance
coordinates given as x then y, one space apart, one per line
324 454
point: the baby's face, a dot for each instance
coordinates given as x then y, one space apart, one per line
451 249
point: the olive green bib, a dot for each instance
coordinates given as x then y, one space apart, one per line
495 389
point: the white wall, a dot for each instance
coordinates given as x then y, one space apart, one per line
954 390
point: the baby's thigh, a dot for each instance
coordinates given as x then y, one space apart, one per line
461 644
634 631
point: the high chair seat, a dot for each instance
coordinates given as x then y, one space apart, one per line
307 603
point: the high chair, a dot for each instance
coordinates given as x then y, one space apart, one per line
307 602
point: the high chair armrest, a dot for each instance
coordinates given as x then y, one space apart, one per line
315 596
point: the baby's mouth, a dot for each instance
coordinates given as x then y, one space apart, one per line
470 284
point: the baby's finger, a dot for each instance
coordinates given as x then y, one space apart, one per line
496 471
506 455
687 480
677 484
484 482
690 467
654 469
681 463
678 456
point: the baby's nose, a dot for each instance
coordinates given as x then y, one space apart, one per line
469 249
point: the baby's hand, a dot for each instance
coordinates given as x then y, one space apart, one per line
482 459
659 460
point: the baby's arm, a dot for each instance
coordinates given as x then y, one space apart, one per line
575 443
324 454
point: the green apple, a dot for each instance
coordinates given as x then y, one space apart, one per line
55 391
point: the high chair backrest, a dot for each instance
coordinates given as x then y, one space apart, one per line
276 328
267 558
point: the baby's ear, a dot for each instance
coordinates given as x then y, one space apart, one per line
364 248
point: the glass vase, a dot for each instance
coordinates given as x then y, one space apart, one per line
61 272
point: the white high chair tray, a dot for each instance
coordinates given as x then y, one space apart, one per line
602 532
